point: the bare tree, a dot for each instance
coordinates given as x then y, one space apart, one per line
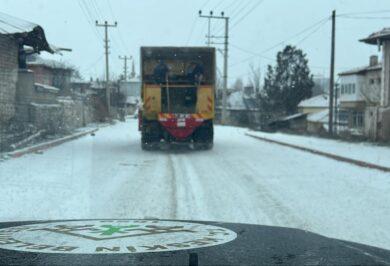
238 85
255 77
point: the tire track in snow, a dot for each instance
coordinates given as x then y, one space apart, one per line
173 181
278 213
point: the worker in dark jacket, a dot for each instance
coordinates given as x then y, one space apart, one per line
160 72
195 72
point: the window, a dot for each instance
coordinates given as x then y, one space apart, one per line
378 80
343 116
353 88
372 81
357 119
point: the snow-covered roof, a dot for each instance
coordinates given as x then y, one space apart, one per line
79 80
45 105
235 100
320 117
381 35
361 70
29 33
35 59
135 79
132 99
321 101
11 25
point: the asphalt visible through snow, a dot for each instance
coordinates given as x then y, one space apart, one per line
240 180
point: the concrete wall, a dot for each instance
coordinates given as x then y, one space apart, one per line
371 122
310 110
371 87
42 74
245 118
8 77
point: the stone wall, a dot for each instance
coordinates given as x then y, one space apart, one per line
63 117
8 77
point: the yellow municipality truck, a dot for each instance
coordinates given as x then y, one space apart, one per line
178 96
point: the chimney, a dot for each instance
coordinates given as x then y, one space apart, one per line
373 60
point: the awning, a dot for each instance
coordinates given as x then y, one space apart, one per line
27 33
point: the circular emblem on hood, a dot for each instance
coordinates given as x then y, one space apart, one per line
112 236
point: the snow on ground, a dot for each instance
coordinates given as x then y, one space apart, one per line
367 152
241 180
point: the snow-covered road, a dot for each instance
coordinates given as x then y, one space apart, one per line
241 180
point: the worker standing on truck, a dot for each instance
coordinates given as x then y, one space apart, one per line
195 72
160 72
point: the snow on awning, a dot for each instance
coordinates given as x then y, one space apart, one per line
46 88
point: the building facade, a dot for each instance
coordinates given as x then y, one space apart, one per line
358 93
8 76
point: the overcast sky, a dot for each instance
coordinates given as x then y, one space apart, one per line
255 27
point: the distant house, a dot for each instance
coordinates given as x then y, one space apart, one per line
50 72
315 104
17 38
80 86
131 89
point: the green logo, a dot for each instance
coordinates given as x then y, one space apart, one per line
109 230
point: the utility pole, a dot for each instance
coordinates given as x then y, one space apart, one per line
225 55
106 47
331 76
125 58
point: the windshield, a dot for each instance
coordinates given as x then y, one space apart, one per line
261 112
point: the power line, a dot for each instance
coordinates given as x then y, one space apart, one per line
121 39
237 12
360 17
251 52
247 14
364 12
240 9
89 19
217 5
226 8
191 30
312 32
93 64
204 4
282 42
95 6
99 14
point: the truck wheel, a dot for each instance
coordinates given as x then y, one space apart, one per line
203 137
150 136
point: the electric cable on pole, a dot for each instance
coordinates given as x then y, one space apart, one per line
106 47
125 58
225 61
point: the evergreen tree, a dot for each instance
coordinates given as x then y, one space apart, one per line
288 83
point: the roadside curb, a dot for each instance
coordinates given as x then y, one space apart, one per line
46 145
325 154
